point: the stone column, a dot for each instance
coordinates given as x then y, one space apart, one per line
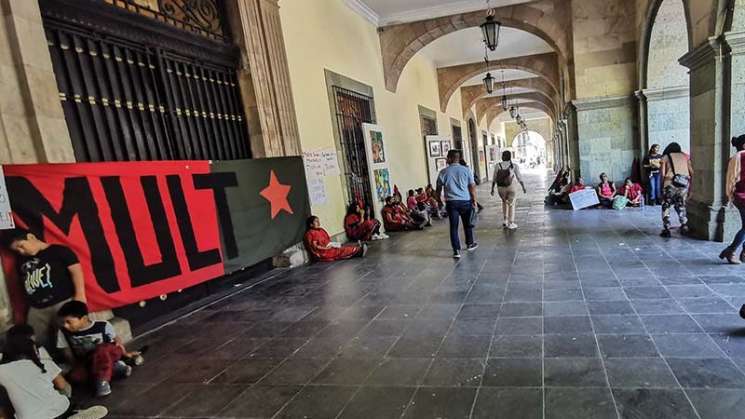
265 78
736 43
32 124
643 122
710 148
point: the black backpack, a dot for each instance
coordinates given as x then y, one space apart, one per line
504 176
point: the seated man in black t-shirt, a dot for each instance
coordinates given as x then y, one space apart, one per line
50 276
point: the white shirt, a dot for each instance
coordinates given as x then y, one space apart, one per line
31 391
504 165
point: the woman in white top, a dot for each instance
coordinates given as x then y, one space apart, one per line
506 173
34 382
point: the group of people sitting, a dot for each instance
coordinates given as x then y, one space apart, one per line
629 193
56 344
360 226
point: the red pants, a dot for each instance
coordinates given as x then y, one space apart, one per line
99 364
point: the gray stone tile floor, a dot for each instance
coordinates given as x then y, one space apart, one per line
575 315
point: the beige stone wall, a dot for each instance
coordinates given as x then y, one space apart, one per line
668 42
32 125
604 47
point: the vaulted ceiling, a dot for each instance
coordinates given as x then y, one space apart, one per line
398 11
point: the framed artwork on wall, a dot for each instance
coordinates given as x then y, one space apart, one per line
378 147
435 149
445 147
440 164
383 184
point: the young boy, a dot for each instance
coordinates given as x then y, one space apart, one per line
50 276
92 348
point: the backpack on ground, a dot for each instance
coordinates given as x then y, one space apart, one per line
504 176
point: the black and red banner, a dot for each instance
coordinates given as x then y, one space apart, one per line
145 229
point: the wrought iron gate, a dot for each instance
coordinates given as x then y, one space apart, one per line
352 110
135 88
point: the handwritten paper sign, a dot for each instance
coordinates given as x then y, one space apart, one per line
584 199
330 162
6 218
314 173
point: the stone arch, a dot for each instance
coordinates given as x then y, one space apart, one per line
666 83
470 94
484 104
647 26
547 19
450 79
493 113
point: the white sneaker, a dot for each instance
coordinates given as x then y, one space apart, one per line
376 237
93 412
512 226
384 236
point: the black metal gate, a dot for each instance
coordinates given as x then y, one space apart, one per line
352 110
134 88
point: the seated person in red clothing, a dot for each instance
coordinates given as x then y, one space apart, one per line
360 228
632 191
579 185
321 248
416 217
430 203
606 191
92 348
396 220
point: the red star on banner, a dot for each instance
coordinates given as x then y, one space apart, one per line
276 193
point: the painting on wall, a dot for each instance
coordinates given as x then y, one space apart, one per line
441 164
445 147
435 149
378 147
383 184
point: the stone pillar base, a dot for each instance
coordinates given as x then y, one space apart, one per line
715 223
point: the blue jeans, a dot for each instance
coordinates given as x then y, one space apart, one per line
740 236
460 210
654 187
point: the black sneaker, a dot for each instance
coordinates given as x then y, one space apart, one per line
456 254
472 247
665 233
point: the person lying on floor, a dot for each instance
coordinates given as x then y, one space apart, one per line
34 384
92 349
606 191
322 249
631 191
359 227
395 220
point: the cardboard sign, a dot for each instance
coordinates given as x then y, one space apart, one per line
584 199
6 216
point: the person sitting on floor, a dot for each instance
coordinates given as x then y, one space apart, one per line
395 220
360 228
558 194
632 191
318 243
429 203
416 210
579 185
432 194
92 349
34 384
404 212
606 191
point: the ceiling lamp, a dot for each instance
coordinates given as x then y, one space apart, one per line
489 83
490 30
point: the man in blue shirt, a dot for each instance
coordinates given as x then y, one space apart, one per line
460 199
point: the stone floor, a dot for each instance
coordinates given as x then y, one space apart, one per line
575 315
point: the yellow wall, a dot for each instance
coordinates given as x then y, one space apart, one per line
326 34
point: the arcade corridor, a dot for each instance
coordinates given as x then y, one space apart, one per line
574 315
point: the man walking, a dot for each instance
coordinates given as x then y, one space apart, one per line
460 199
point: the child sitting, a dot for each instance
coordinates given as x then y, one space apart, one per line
34 384
606 191
92 348
416 210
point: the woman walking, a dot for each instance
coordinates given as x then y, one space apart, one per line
676 172
505 174
736 196
652 164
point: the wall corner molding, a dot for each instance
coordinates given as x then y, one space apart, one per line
598 103
364 10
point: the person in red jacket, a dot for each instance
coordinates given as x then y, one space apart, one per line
319 244
360 228
632 191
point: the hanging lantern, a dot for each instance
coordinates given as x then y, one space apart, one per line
489 83
504 102
490 30
513 112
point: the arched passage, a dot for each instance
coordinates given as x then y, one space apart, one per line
666 84
529 148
